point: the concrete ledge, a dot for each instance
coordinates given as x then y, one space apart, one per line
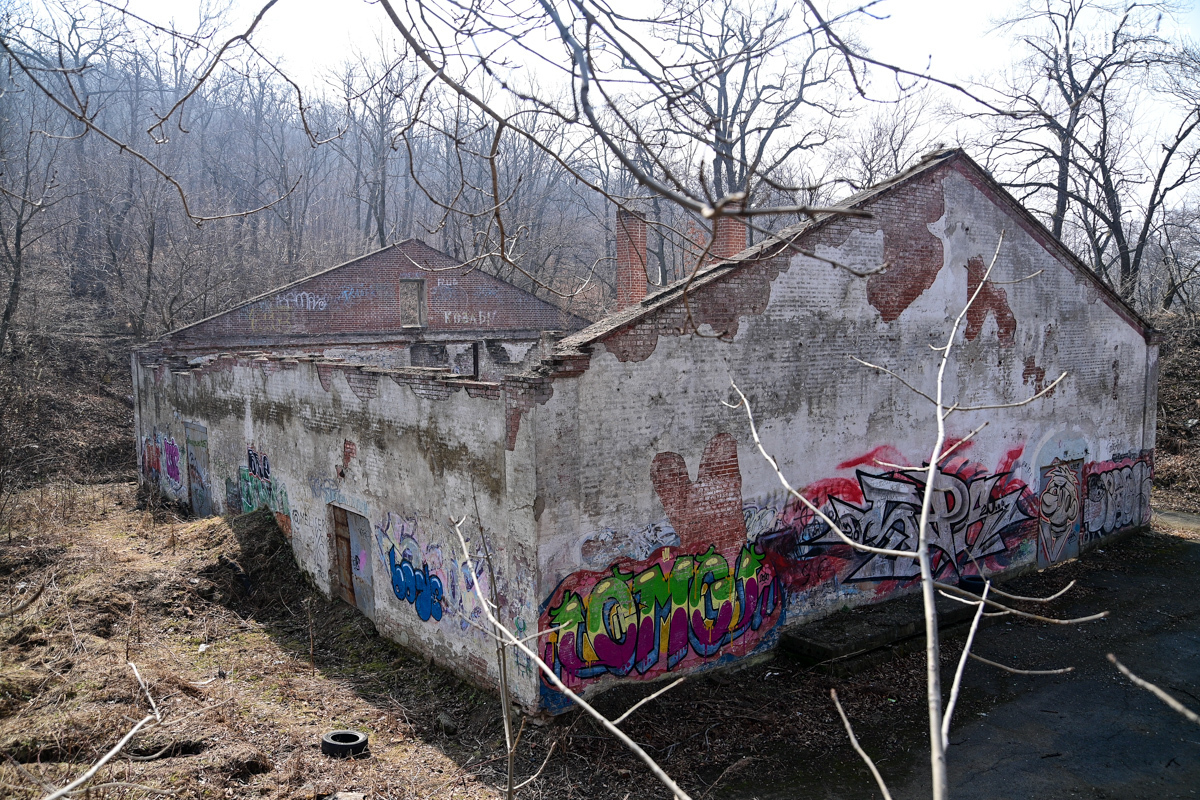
1177 520
853 633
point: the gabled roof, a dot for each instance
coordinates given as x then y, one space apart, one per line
793 235
360 302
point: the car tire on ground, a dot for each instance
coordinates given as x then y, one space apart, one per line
343 744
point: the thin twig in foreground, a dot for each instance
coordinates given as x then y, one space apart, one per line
948 714
535 775
954 590
142 683
647 699
555 681
26 604
1023 599
1157 692
1016 671
87 776
858 748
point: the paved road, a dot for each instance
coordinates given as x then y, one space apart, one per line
1090 733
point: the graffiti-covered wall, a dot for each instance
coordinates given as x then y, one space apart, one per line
632 519
363 470
666 541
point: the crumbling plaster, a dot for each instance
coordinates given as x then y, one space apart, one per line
416 463
827 419
625 502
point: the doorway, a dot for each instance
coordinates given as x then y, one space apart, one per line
352 580
197 469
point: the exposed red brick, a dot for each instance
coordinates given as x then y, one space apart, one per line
364 297
912 254
730 237
631 258
745 291
522 393
325 374
365 385
1033 374
480 389
707 511
991 300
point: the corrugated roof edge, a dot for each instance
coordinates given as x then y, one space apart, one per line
788 237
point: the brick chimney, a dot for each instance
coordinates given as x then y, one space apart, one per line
730 238
631 258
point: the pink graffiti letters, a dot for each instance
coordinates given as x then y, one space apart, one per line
171 462
652 619
742 566
680 604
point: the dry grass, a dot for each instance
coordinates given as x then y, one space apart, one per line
1177 458
244 713
173 597
243 717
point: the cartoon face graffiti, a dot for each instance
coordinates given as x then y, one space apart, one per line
1059 502
1059 512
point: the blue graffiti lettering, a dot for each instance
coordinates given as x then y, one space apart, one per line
420 589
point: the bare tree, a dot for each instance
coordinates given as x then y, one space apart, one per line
29 187
891 139
1064 133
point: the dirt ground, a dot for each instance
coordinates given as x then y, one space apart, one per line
66 411
1177 451
248 665
217 619
1086 733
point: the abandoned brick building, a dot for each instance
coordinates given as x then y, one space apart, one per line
624 502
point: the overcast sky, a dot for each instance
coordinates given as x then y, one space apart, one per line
312 36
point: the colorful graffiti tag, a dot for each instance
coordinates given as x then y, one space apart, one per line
973 514
151 459
1117 494
254 488
726 571
682 606
399 550
441 588
651 620
171 463
162 461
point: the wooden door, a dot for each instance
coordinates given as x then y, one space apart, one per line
360 549
343 556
